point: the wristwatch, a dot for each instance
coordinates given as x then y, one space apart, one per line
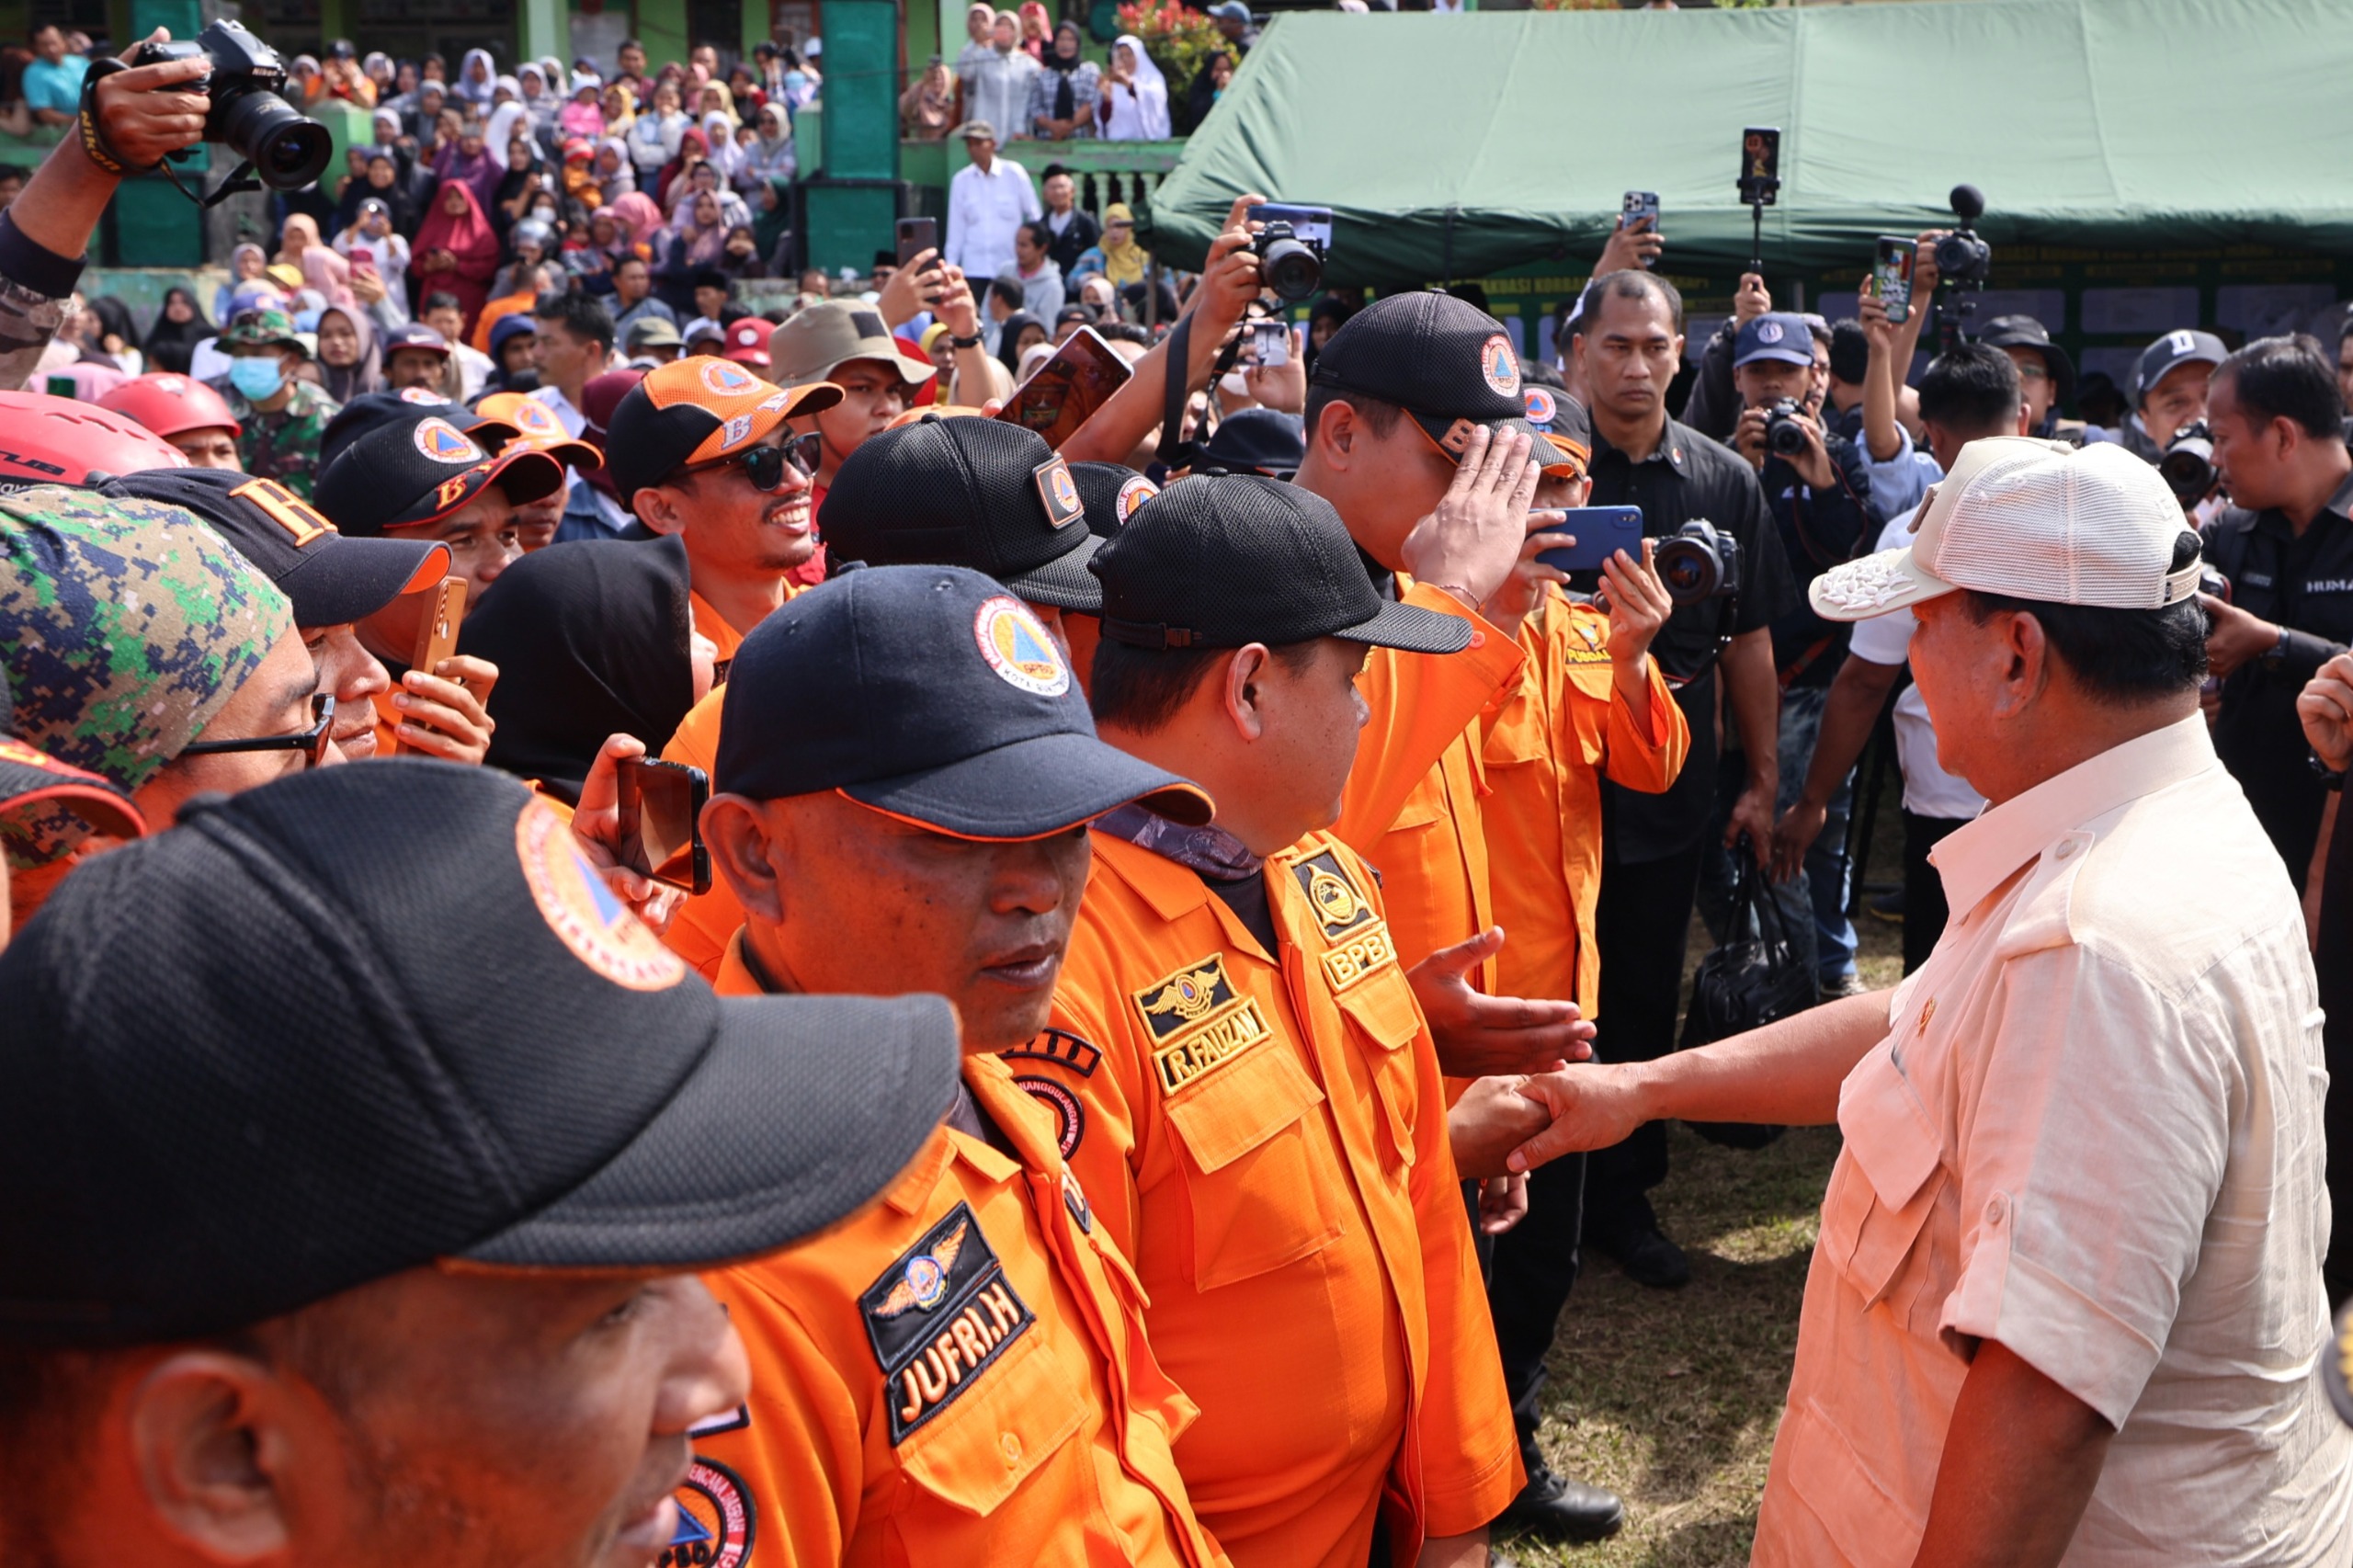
2330 778
956 341
2278 652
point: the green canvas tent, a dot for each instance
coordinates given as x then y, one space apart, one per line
1458 146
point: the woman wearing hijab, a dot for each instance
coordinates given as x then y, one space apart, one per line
671 183
1019 332
772 224
580 116
507 122
378 251
614 174
718 135
524 188
329 275
349 359
180 327
467 160
590 643
979 18
641 221
1037 30
245 263
927 109
456 249
769 155
714 98
618 102
531 89
117 336
477 79
699 235
300 234
1134 94
1117 255
1063 96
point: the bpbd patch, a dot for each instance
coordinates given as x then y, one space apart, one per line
1339 906
717 1520
938 1317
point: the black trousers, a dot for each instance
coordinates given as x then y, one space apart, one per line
1923 890
1643 915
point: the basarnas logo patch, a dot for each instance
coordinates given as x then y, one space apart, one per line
938 1317
1019 648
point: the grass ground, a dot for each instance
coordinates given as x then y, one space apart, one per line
1671 1398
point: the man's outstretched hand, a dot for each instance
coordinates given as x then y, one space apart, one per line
1479 1035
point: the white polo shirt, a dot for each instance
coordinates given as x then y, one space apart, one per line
1928 790
2092 1134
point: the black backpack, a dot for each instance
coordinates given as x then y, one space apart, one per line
1751 980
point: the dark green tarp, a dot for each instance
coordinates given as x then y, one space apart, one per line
1455 146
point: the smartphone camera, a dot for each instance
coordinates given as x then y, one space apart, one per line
1697 563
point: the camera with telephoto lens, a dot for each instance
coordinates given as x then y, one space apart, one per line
1963 259
2188 464
1292 266
1784 437
249 115
1697 563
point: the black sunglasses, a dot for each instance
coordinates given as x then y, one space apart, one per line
764 466
312 743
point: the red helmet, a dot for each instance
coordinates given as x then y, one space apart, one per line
55 440
168 403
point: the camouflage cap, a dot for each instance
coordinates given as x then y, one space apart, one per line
262 327
126 626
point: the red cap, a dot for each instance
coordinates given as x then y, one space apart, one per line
168 403
748 342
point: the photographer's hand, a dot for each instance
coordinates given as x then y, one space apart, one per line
1881 376
1633 248
1283 386
1510 605
2325 707
596 829
1814 464
142 118
1751 299
1639 606
1748 436
2238 636
900 300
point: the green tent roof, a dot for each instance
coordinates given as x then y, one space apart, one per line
1461 145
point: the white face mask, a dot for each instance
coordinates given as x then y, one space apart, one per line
544 214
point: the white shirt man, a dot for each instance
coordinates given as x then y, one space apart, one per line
988 201
2066 1305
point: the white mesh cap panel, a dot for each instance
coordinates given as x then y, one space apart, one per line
2039 521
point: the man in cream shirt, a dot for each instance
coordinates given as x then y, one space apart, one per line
2066 1305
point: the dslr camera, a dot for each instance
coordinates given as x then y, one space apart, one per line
250 114
1784 437
2188 464
1697 563
1963 258
1292 266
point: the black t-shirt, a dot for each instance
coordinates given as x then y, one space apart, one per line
1819 529
1689 478
2306 585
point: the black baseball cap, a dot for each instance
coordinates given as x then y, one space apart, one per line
30 777
372 411
458 1046
1256 440
1445 361
330 577
416 334
934 694
1111 492
2183 346
1218 560
966 491
2025 332
405 473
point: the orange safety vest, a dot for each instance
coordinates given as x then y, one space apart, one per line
1266 1136
957 1375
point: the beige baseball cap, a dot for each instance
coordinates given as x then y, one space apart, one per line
2028 519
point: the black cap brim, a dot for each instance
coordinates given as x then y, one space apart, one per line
346 577
1064 582
1436 426
1413 629
1032 788
803 1109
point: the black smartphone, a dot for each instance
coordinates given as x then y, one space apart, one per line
661 821
917 235
1601 532
1067 389
1760 165
1892 277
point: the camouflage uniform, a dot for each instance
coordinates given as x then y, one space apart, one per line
283 446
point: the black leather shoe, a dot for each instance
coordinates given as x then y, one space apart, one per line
1649 1258
1556 1508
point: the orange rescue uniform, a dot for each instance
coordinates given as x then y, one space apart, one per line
1266 1135
722 634
957 1375
701 928
1413 801
1561 731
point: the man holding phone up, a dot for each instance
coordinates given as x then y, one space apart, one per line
961 1374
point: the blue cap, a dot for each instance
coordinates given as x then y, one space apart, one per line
1776 335
932 694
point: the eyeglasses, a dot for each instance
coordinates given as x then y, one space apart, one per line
312 743
764 465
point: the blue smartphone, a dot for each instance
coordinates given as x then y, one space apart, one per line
1601 532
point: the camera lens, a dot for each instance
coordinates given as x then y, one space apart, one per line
288 150
1688 569
1784 437
1292 270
